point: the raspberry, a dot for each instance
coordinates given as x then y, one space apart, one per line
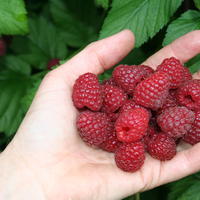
127 77
2 47
186 74
174 69
111 144
189 94
193 135
87 92
176 121
151 132
152 92
162 147
113 116
170 102
130 157
132 125
148 69
52 63
110 81
93 127
129 104
113 98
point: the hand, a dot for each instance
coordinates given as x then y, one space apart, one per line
47 159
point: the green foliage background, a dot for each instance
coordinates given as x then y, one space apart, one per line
37 31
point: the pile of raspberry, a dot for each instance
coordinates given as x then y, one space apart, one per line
139 110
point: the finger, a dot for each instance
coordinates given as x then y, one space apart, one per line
99 55
95 58
183 48
184 163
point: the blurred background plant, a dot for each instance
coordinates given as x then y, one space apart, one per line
38 35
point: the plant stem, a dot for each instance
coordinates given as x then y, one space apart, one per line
137 196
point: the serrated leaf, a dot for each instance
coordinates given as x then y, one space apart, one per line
187 22
42 44
15 63
194 64
144 17
178 188
47 38
13 17
197 3
29 52
13 86
192 193
76 32
103 3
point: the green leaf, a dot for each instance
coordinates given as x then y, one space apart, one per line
76 32
192 192
194 64
197 3
29 52
16 64
144 17
13 86
13 17
42 44
179 188
47 38
187 22
103 3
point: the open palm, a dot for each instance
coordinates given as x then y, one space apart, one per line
51 161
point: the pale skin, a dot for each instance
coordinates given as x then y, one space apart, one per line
47 159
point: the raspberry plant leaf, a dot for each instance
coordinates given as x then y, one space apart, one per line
182 189
13 86
42 44
13 17
46 37
77 31
193 64
29 52
144 17
197 3
103 3
17 64
187 22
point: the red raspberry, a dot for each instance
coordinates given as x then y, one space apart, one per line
132 125
2 47
170 102
52 63
186 74
129 104
162 147
189 94
113 98
176 121
110 81
152 92
148 69
87 92
193 135
113 116
130 157
151 132
111 144
127 77
93 127
174 69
